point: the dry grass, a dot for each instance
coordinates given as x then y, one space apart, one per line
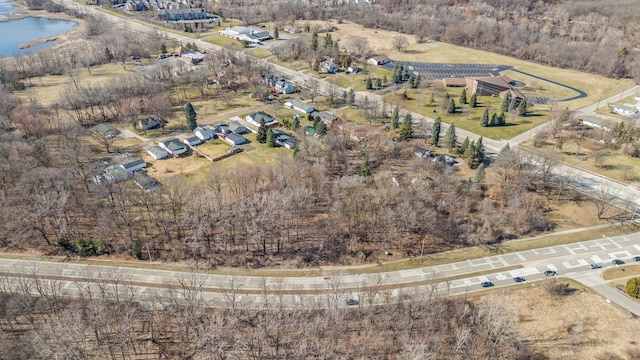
578 326
380 42
621 272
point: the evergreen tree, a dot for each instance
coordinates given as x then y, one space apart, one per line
504 105
395 117
378 83
513 104
473 101
295 123
450 138
478 153
365 170
484 120
384 79
463 97
464 147
500 119
351 96
163 49
190 114
478 176
522 108
261 137
451 106
321 128
368 84
435 131
328 42
416 81
314 42
493 121
271 139
406 130
276 33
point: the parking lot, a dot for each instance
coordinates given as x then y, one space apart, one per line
440 71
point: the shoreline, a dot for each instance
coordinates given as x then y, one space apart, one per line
22 12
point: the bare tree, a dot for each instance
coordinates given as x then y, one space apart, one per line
400 42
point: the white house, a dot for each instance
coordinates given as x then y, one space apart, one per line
192 140
173 147
598 123
234 139
157 152
203 133
134 165
329 67
627 110
284 87
378 60
254 119
149 123
297 104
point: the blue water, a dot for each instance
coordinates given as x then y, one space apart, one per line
15 32
6 8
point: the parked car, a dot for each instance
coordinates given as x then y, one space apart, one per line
617 262
636 258
486 284
595 266
551 273
352 302
519 279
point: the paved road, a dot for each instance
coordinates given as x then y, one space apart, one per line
569 260
572 259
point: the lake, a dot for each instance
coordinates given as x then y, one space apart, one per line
16 32
6 8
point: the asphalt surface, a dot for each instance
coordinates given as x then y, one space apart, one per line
441 71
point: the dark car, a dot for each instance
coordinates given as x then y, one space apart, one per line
636 258
351 302
486 284
617 262
519 279
551 273
595 266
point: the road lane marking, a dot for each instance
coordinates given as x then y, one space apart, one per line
596 259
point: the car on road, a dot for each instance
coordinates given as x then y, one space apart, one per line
519 279
595 266
636 258
551 273
486 284
352 302
617 262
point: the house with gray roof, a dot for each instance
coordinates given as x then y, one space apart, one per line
254 119
299 105
173 147
234 139
134 165
204 133
157 152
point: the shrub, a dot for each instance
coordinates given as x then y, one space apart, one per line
633 287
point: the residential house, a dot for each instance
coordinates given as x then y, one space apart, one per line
283 139
149 123
299 105
192 57
254 119
204 133
378 60
355 132
282 86
157 152
115 173
234 139
182 14
136 5
353 69
328 67
423 153
145 182
237 128
106 130
134 165
173 147
627 110
446 159
603 124
192 140
325 117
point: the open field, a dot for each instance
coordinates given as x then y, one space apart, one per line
621 272
380 43
357 81
581 325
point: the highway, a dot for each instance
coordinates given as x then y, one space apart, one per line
569 260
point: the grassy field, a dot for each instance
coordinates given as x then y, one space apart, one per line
419 101
357 81
298 65
259 53
436 52
621 272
